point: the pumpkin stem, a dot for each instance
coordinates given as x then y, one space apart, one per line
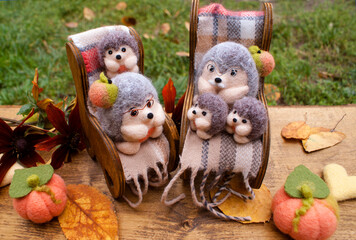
307 201
47 190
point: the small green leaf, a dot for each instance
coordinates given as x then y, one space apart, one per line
302 175
25 109
19 186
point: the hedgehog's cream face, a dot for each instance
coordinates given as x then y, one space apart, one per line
199 118
234 77
140 122
241 126
115 59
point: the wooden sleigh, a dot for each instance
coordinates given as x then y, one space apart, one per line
81 58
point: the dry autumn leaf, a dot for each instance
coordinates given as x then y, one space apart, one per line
176 14
128 21
166 11
187 25
182 54
88 215
88 14
71 24
272 92
121 6
258 209
321 138
296 130
165 28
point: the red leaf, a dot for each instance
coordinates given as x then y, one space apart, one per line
5 130
59 156
169 96
74 119
6 162
31 159
25 119
51 143
56 117
177 113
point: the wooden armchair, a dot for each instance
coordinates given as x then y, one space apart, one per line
260 35
83 62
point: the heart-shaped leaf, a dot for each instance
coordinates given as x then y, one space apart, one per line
302 175
19 186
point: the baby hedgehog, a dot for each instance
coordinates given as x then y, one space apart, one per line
208 115
247 120
118 53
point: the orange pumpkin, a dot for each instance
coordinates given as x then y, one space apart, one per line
319 222
38 206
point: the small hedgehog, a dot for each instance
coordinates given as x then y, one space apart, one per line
136 114
247 120
118 53
208 115
228 70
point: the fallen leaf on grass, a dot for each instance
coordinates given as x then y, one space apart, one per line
258 209
128 21
176 14
187 25
322 138
165 28
88 14
121 6
326 75
296 130
272 92
88 215
182 54
71 24
166 11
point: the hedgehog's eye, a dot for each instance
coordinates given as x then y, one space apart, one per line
123 49
196 105
235 112
110 52
211 67
150 103
134 112
204 113
233 72
244 121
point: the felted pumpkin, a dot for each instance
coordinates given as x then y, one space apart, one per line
44 194
306 217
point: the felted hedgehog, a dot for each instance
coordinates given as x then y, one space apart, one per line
136 114
118 53
208 115
228 70
247 120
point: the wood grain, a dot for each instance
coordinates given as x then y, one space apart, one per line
153 220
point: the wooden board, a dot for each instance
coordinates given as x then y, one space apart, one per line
153 220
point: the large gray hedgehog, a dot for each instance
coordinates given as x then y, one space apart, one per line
247 120
208 115
118 53
135 115
228 70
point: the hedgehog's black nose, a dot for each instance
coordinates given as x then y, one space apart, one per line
218 80
234 120
194 112
118 57
150 115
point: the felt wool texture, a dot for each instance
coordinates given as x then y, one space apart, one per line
38 206
219 156
226 56
148 165
252 109
319 222
342 186
212 105
133 91
263 59
102 93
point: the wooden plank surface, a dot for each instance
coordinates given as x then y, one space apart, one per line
153 220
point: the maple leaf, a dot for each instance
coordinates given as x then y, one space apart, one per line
88 215
169 96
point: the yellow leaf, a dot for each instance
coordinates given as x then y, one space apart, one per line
88 14
88 215
182 54
121 6
296 130
166 11
187 25
321 140
165 28
272 92
44 103
71 24
258 209
147 36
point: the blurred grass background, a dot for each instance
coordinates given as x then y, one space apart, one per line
309 38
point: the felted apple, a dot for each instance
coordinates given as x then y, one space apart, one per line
263 59
304 208
38 194
102 92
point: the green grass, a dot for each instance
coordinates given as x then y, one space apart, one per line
308 38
